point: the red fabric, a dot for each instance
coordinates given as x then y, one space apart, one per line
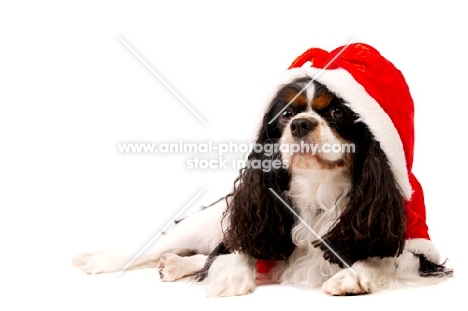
416 213
264 266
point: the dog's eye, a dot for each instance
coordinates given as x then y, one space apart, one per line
286 114
337 113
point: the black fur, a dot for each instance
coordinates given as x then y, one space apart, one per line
374 220
203 273
260 224
176 221
428 268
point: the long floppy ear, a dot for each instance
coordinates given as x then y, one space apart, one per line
374 219
258 223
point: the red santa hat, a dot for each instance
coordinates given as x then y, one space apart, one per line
377 92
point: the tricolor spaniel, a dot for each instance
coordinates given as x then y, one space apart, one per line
342 212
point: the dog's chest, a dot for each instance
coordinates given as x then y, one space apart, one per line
319 198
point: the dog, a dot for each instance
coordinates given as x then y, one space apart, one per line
340 210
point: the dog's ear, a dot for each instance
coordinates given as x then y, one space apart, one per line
374 219
258 223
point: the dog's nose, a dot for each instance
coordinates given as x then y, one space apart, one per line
300 127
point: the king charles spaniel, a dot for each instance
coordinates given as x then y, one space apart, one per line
342 212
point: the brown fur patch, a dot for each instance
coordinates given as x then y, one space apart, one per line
322 101
307 161
326 164
299 102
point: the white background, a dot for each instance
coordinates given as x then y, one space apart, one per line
70 91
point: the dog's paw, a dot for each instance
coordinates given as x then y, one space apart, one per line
170 267
100 262
346 282
230 276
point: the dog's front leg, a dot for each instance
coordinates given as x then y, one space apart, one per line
373 274
231 275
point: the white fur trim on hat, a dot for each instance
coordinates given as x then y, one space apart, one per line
425 247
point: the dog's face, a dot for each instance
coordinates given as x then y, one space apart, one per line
317 129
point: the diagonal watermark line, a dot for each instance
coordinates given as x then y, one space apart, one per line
313 231
162 80
160 232
313 79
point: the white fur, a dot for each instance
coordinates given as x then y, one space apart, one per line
346 282
231 275
315 195
173 267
